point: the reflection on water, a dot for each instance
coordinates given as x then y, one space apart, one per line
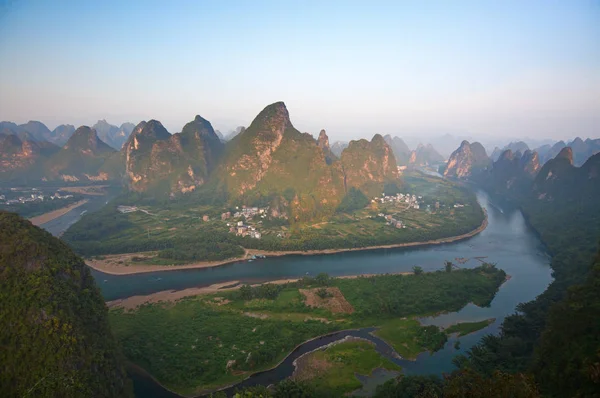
507 241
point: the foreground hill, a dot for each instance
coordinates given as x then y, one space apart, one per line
56 341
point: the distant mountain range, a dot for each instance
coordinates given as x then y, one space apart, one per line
521 173
270 161
420 156
37 131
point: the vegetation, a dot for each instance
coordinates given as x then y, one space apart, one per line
174 228
197 344
332 372
460 384
354 200
207 341
465 328
53 321
554 337
406 295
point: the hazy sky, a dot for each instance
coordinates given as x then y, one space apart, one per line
510 68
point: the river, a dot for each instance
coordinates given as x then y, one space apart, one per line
507 241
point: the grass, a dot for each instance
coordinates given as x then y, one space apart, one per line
401 334
465 328
188 345
333 370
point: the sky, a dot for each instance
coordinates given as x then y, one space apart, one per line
519 68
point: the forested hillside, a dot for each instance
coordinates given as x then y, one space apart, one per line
561 350
56 341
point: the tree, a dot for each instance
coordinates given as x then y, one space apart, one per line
293 389
411 387
246 292
322 279
448 266
417 270
323 293
468 383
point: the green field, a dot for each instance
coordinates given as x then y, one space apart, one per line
206 341
332 372
176 233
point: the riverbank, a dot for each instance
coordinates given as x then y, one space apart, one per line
118 265
52 215
133 302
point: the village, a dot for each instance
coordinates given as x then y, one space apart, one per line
411 201
241 228
34 197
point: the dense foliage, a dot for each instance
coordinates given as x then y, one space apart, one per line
207 341
192 343
354 200
555 336
55 337
110 232
459 385
401 295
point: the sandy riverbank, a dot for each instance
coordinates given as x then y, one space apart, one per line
110 264
47 217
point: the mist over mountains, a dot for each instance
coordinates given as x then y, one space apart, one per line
147 155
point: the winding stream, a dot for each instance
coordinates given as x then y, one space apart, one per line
507 241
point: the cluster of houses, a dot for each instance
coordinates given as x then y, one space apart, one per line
241 229
249 212
411 200
34 197
390 220
127 209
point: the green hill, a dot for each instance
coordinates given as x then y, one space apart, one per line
158 162
56 340
368 166
271 159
